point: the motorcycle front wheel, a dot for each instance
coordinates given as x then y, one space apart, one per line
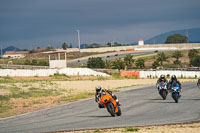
119 112
111 109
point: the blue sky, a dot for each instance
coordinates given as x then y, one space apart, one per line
39 23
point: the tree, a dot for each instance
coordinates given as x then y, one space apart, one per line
193 53
108 64
139 63
109 44
70 46
64 46
34 62
195 61
155 64
176 38
161 57
177 54
95 62
27 62
49 48
128 60
118 64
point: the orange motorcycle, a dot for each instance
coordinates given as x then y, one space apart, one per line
108 102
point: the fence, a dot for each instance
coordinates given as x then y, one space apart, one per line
157 73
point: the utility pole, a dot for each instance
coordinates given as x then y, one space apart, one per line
187 36
79 42
112 43
1 51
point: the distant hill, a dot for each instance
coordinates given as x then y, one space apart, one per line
11 48
193 35
83 46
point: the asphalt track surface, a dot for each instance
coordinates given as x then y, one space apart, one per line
110 57
140 106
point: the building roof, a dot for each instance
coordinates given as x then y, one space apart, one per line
15 52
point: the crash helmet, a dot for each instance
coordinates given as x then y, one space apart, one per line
162 77
173 78
98 88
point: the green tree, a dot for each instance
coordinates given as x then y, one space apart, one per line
34 62
118 64
108 64
176 38
193 53
43 63
155 64
161 57
195 61
49 48
27 62
95 62
109 44
64 46
70 46
128 60
139 63
177 54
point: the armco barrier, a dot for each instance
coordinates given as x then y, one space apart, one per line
130 74
167 73
183 74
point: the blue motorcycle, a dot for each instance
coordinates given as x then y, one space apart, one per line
175 90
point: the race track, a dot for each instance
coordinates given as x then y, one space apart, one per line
140 106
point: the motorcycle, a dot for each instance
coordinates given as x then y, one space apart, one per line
175 90
198 83
107 101
162 87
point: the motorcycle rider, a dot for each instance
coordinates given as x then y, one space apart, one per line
161 79
174 79
198 82
99 91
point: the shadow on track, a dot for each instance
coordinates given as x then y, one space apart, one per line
164 102
191 99
153 99
157 101
96 116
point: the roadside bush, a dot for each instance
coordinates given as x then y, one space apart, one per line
95 62
195 61
155 64
140 63
118 64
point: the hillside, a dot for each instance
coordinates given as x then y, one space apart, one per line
193 35
10 48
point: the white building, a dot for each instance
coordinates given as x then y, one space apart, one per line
57 59
140 42
15 54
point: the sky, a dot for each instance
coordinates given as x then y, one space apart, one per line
29 24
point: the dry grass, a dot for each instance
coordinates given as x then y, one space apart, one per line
176 128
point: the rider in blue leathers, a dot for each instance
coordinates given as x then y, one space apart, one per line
174 79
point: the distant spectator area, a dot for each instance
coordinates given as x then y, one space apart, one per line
15 54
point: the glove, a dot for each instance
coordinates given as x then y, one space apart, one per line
97 99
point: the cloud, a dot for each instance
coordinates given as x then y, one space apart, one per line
99 21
